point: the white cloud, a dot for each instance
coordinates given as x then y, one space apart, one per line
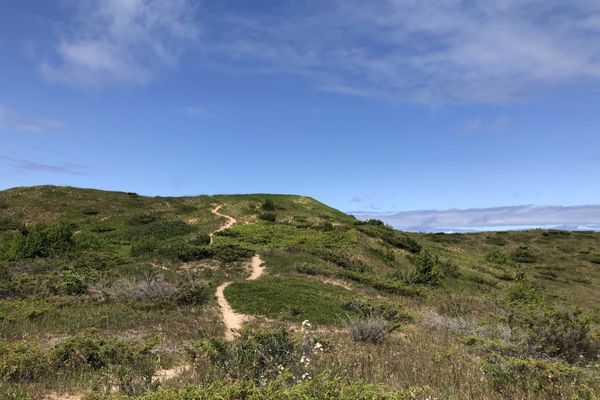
439 51
122 41
499 218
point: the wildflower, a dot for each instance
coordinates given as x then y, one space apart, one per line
281 367
318 347
304 360
306 324
306 375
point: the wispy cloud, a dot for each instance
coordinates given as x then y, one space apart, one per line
196 111
26 165
481 125
440 51
124 41
11 119
499 218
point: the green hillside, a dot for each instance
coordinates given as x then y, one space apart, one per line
112 295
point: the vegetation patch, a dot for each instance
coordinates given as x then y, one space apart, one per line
291 299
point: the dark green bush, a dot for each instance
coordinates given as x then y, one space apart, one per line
90 211
196 295
160 230
144 247
426 270
268 205
269 216
72 282
194 253
232 252
498 257
523 255
42 240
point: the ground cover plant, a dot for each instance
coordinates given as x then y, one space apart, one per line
102 292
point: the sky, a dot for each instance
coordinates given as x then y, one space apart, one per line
387 105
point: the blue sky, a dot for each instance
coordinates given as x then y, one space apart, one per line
393 105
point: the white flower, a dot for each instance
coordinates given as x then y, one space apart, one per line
318 346
304 359
306 375
281 367
306 324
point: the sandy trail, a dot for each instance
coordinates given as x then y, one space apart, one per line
232 320
228 224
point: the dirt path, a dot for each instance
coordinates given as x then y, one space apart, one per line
232 320
230 221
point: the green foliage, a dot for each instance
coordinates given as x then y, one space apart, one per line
160 230
540 378
523 293
42 240
255 355
268 204
564 334
426 270
72 282
323 387
284 236
144 247
196 295
389 235
523 255
268 216
498 257
292 298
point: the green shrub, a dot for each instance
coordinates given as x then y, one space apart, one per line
269 216
144 247
90 211
42 240
255 355
564 334
196 295
523 255
188 253
90 350
232 252
426 270
21 362
160 230
523 293
268 205
72 282
498 257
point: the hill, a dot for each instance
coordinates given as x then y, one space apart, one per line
113 294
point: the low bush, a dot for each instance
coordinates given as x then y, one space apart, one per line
370 330
564 334
42 240
523 255
255 355
160 230
426 270
268 216
498 257
268 205
196 295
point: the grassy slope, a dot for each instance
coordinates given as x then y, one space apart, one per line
310 251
